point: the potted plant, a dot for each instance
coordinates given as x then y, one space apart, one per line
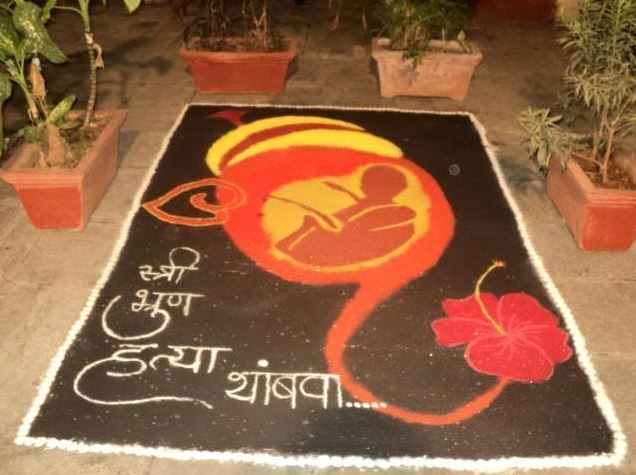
425 52
582 148
233 48
60 165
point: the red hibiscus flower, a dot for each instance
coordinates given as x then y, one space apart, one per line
513 336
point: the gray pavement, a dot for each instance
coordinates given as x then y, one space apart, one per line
46 277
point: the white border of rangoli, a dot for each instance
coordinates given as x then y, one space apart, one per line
615 457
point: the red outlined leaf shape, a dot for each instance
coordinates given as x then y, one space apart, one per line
218 212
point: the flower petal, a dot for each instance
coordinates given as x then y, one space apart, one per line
459 331
469 307
552 340
509 358
519 309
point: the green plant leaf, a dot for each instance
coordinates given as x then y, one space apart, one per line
8 35
5 87
5 92
411 24
69 124
132 5
27 20
31 133
600 87
46 10
61 109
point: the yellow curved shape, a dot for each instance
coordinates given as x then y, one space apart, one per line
222 146
351 140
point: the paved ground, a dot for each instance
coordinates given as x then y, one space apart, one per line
45 277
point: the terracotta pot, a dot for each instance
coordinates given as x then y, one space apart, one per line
240 72
537 11
66 198
599 218
440 74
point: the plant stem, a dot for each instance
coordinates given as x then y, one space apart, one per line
265 26
608 152
20 79
92 64
587 159
68 9
92 96
596 137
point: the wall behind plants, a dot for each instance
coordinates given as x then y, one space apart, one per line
567 7
517 11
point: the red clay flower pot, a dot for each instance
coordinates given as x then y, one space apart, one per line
240 72
65 198
440 74
601 219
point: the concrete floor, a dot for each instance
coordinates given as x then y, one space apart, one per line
45 277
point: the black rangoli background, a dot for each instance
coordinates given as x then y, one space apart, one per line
262 316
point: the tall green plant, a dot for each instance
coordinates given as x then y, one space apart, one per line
93 49
600 87
23 40
412 24
23 37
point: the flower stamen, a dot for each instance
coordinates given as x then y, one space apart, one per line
497 326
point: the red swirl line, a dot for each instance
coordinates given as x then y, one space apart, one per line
350 320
